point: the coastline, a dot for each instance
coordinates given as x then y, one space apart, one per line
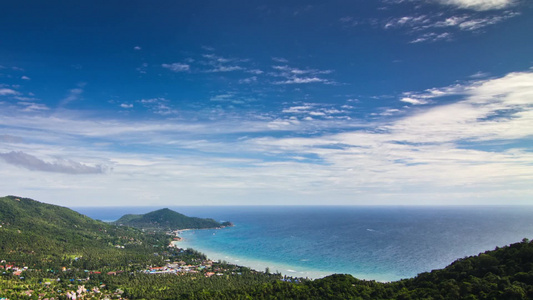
253 264
383 244
274 267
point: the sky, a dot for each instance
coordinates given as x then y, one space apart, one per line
342 102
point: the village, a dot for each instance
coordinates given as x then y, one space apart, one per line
83 287
204 267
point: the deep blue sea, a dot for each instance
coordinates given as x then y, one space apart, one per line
379 243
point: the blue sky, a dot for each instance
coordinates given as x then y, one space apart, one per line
389 102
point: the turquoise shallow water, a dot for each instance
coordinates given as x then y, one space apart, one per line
381 243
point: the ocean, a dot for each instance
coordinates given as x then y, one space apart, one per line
383 243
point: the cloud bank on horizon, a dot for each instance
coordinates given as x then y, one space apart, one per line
273 103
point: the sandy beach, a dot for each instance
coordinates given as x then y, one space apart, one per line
254 264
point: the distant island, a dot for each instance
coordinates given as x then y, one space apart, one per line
53 252
168 220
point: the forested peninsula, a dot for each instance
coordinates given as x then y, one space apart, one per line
168 220
52 252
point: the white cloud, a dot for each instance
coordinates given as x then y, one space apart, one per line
223 64
494 109
315 111
248 80
255 71
464 22
223 97
287 71
32 106
137 48
207 48
478 23
8 92
434 26
409 21
25 78
298 109
280 59
389 112
158 106
126 105
231 97
479 5
425 151
25 99
298 80
432 37
73 94
479 74
176 67
142 68
421 150
413 101
424 97
293 75
225 69
283 124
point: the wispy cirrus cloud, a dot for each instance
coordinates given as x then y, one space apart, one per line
425 97
413 101
442 26
423 149
494 109
232 97
428 22
33 106
479 5
432 37
8 92
255 71
312 111
218 69
160 106
73 94
466 22
248 80
299 80
218 63
177 67
280 59
142 68
427 147
292 75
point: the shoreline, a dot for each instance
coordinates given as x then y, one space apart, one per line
261 266
256 265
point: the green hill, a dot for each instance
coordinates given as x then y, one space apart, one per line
47 251
167 219
39 233
504 273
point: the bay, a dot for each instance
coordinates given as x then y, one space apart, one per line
383 243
